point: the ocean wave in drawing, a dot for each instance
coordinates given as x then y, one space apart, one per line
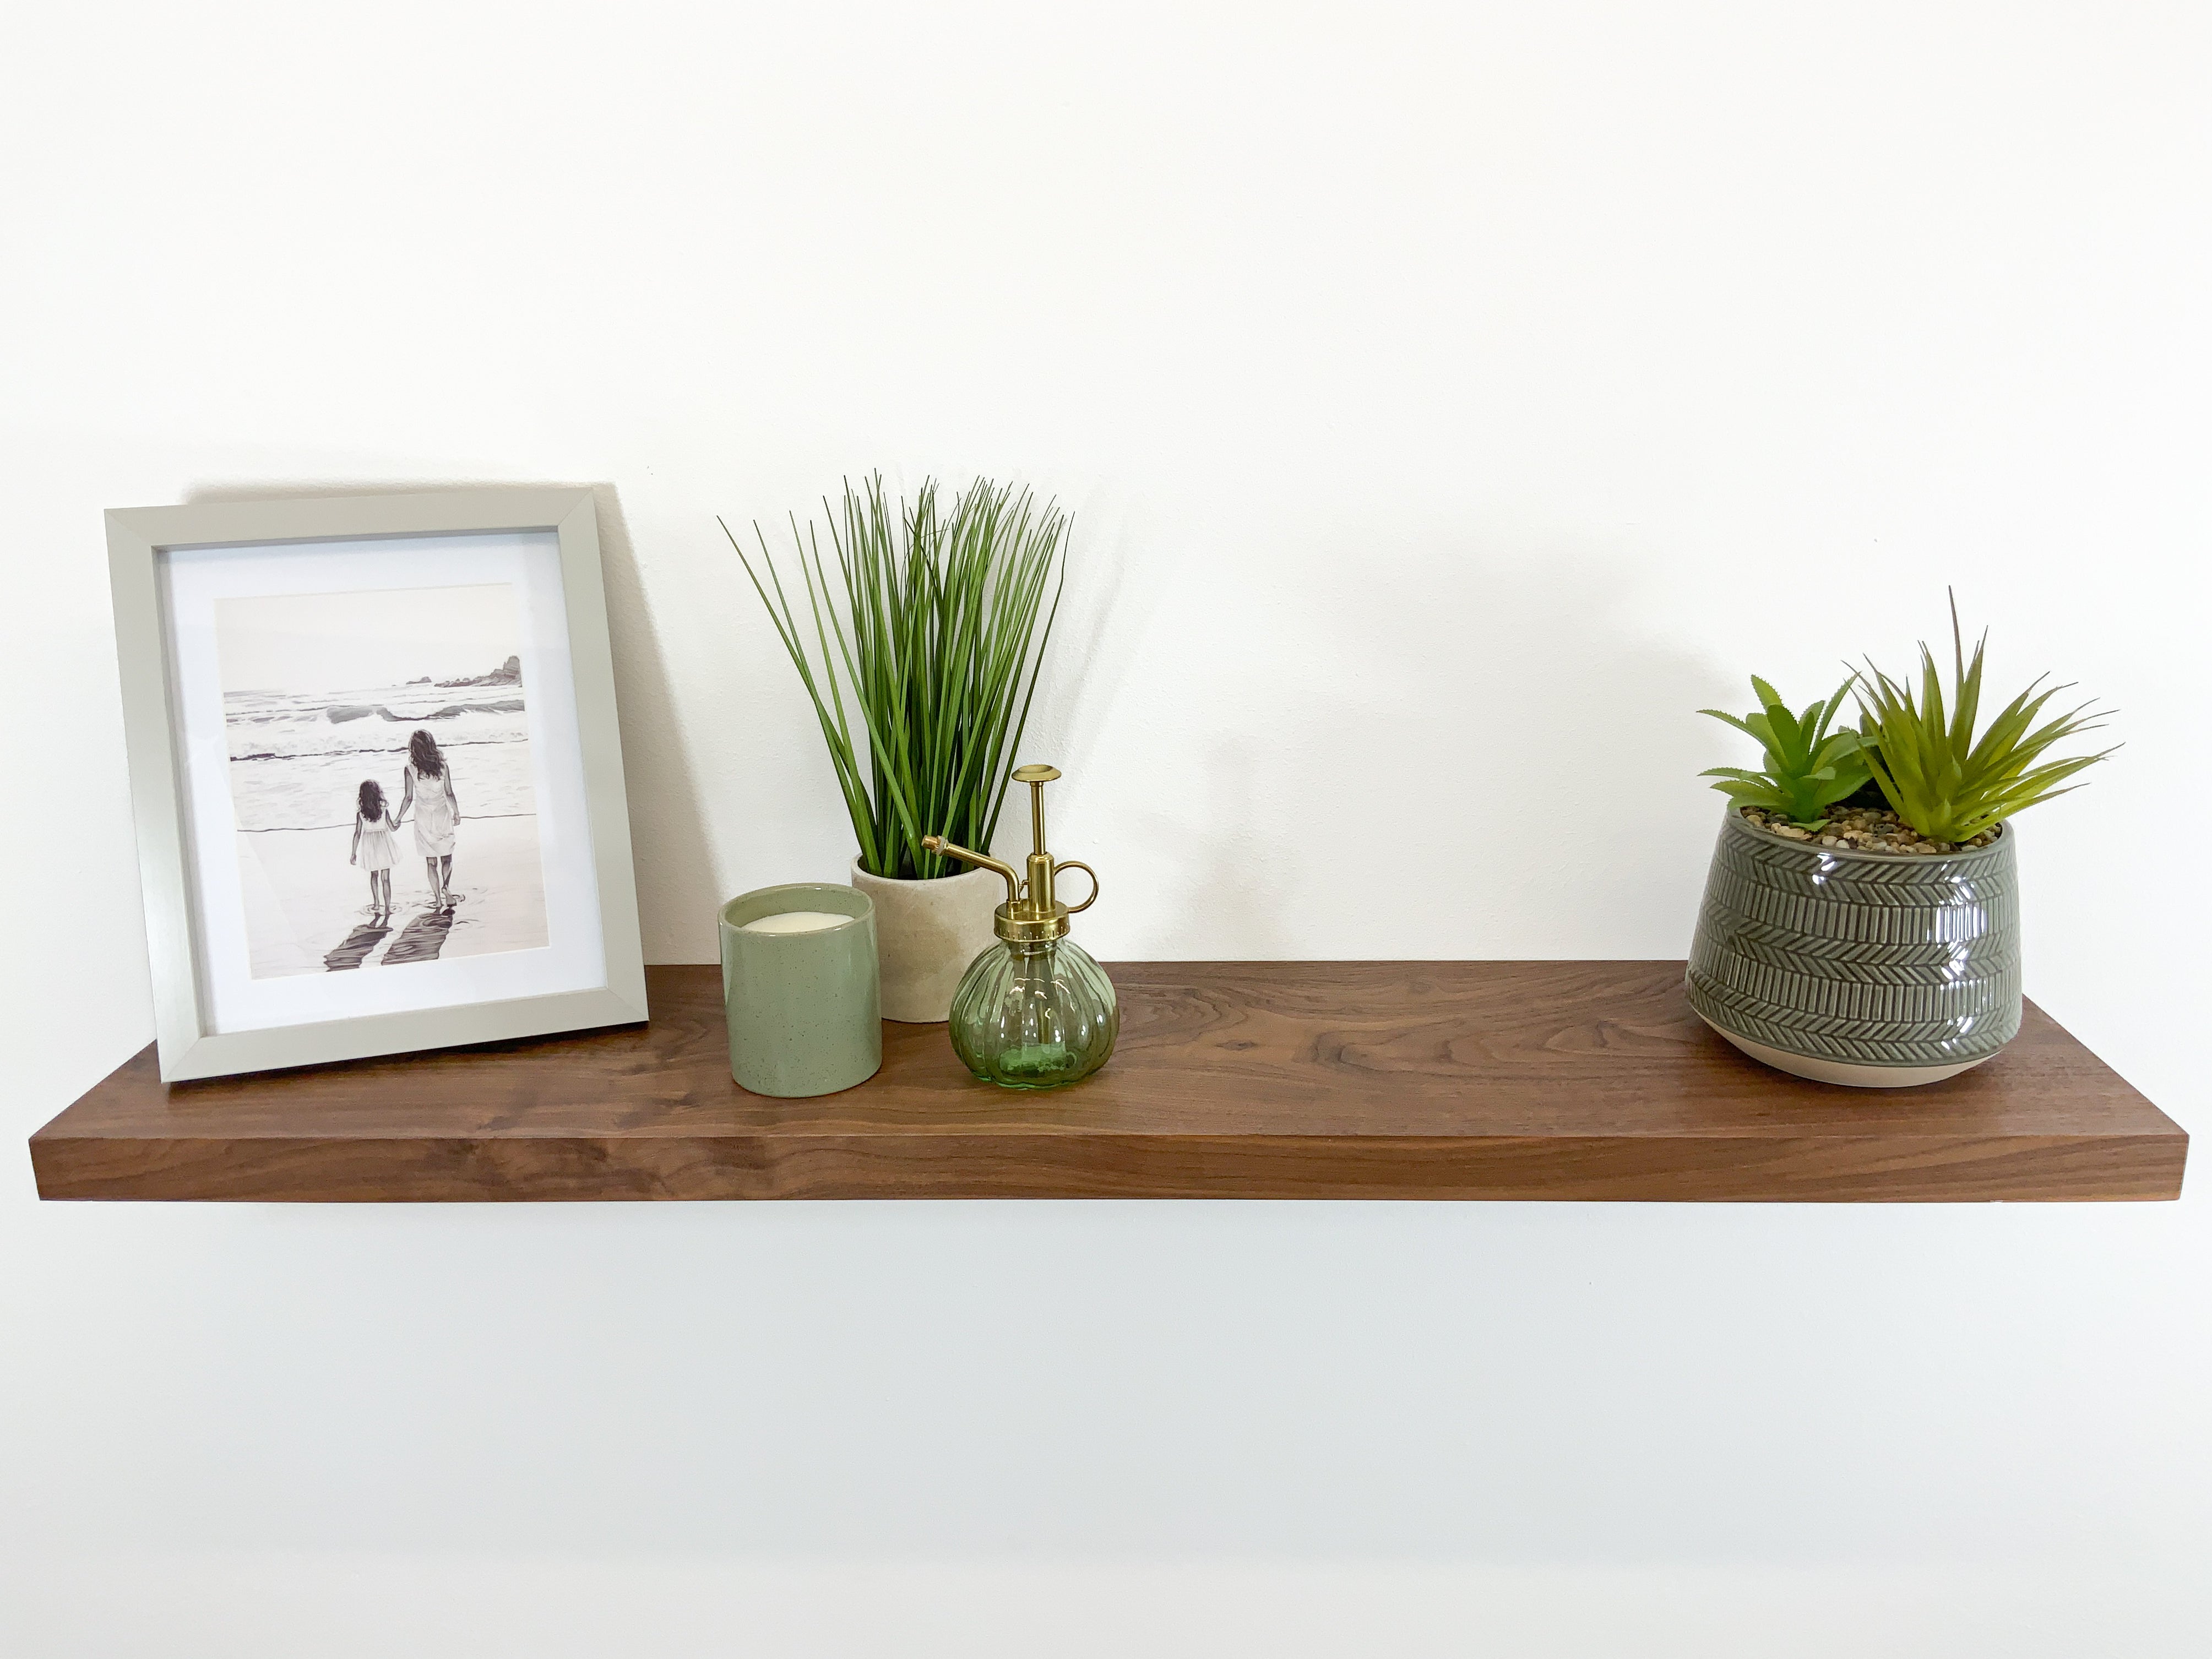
298 759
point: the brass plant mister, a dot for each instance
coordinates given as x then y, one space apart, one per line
1035 1011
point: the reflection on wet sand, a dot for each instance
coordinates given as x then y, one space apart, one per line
358 944
421 939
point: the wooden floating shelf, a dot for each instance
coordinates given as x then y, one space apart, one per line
1280 1080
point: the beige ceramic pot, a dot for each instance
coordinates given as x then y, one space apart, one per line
926 933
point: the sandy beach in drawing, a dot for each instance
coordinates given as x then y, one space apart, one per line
307 910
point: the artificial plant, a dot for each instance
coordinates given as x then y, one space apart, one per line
932 621
1808 767
1935 773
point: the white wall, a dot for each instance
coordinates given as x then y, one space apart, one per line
1453 397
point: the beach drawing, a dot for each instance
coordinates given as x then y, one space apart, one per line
380 780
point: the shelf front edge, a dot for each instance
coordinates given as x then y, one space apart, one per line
1766 1168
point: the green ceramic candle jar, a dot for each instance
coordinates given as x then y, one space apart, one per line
799 989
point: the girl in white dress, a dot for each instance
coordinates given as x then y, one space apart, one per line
429 790
373 849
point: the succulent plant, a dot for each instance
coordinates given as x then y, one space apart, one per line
1935 773
1808 767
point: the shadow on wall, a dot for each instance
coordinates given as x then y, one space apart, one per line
1102 618
1092 672
1466 745
1245 895
668 843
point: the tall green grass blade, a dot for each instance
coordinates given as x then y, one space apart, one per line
930 630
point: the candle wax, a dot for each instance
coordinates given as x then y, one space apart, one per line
796 921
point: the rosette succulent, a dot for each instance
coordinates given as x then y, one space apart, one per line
1808 767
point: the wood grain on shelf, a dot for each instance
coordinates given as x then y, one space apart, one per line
1280 1080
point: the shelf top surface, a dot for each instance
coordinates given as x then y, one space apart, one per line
1388 1050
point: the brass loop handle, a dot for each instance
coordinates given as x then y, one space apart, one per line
1077 864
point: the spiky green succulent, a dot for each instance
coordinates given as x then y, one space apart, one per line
1808 767
1935 773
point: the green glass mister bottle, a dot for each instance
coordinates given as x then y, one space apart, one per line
1034 1011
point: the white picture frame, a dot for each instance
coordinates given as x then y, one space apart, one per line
215 1012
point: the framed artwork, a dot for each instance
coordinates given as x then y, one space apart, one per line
376 774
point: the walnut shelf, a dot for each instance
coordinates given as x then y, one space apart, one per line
1344 1080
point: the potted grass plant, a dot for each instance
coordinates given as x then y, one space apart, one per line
1861 919
929 652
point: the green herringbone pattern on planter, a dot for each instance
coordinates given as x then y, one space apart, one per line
1868 959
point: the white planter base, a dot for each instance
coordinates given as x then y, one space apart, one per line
926 933
1843 1071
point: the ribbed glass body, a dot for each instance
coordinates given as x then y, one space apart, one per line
1035 1015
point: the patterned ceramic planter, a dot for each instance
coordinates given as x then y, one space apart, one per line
1874 969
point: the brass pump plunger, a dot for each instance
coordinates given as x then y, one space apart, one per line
1032 911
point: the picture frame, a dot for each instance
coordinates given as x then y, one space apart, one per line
241 790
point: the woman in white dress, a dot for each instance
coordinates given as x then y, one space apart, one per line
429 789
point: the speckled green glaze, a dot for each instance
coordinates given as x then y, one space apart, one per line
1859 961
804 1011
